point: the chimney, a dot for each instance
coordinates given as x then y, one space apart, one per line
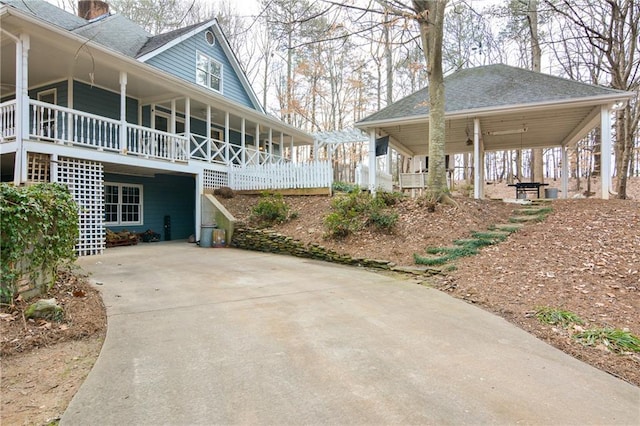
91 9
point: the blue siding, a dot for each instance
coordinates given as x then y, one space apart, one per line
62 94
102 102
163 195
180 60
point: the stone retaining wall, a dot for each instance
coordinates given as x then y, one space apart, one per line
272 242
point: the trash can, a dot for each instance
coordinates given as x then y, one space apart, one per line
206 235
551 193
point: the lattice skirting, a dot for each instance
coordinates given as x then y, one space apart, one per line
215 179
85 180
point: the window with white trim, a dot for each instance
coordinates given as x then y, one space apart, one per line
122 204
208 72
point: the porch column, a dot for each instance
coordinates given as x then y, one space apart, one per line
199 194
291 149
605 150
70 129
243 140
282 146
226 138
208 132
389 158
270 145
123 111
187 118
565 172
478 161
22 106
256 143
172 130
372 161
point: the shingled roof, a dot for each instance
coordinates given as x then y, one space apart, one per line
491 87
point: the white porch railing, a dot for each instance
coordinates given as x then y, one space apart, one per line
384 180
7 120
281 176
61 125
151 143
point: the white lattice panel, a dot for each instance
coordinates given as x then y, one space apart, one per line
86 182
214 179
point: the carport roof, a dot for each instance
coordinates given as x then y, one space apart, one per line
493 87
513 107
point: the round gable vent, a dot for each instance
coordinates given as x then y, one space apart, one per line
210 38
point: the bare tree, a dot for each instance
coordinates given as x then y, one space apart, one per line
612 27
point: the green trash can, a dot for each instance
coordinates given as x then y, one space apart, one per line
551 193
206 235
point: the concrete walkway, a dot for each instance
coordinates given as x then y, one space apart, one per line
222 336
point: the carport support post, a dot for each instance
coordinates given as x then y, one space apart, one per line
478 162
372 162
565 172
605 151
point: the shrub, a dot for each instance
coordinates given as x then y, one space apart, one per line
339 186
38 233
355 210
271 209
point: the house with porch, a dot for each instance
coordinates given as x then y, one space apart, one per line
498 107
138 126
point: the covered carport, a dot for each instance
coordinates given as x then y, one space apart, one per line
499 107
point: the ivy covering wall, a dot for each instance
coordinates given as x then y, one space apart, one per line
38 232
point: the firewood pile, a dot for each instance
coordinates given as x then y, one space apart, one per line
121 238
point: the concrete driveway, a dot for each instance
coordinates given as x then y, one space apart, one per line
222 336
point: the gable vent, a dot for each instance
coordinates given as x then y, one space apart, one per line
210 37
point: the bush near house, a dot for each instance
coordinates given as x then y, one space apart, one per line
38 232
357 209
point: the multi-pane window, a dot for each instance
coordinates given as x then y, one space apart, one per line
208 72
122 204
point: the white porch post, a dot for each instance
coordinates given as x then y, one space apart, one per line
282 146
389 159
270 145
256 143
70 129
243 140
208 133
22 106
605 150
372 161
226 138
187 118
123 111
565 172
291 149
199 194
478 161
172 124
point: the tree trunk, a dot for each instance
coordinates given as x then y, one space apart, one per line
537 164
431 20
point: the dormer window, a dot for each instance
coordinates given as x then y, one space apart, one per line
208 72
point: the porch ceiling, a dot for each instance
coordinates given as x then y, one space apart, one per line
544 128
